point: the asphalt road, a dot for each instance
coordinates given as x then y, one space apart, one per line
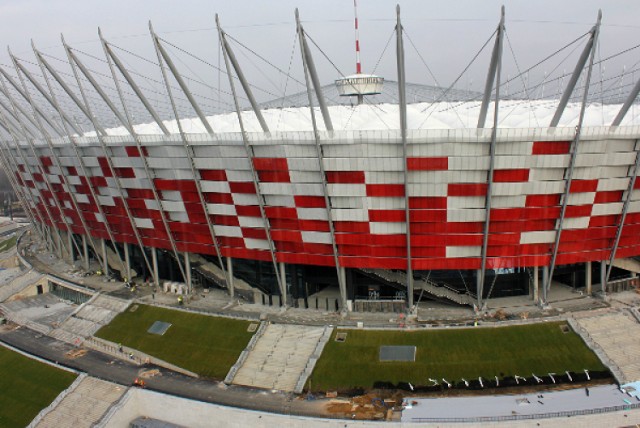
105 367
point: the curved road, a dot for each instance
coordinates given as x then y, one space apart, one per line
105 367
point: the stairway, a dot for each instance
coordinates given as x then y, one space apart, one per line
422 284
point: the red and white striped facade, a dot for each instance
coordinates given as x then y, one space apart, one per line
447 176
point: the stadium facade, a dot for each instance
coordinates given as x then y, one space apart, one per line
451 214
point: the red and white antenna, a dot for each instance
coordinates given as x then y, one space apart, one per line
355 12
359 85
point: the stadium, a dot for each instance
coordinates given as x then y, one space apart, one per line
363 191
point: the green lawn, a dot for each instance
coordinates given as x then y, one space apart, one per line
8 244
452 354
206 345
26 387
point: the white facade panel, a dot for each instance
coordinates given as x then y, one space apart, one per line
173 206
308 189
466 251
349 215
245 199
312 213
347 202
607 209
581 198
347 189
256 244
607 184
239 175
255 222
316 237
221 209
576 223
143 223
305 176
384 203
466 215
82 199
538 237
229 231
215 186
276 188
385 228
455 202
517 201
279 200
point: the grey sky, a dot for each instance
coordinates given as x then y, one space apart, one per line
447 34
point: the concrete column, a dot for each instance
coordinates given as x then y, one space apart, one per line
154 262
187 271
85 251
284 284
603 277
343 277
70 246
230 274
587 279
105 267
545 280
127 260
536 285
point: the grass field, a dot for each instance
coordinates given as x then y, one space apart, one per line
8 244
452 354
26 387
202 344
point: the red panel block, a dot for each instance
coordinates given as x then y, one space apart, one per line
284 223
132 151
351 226
248 210
219 198
280 212
286 235
387 215
274 176
578 186
428 202
309 201
467 189
603 197
510 175
428 164
428 216
249 232
385 190
578 210
543 200
242 187
225 220
140 193
270 164
213 174
551 147
314 225
345 177
603 220
104 166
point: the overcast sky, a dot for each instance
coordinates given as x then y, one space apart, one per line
447 34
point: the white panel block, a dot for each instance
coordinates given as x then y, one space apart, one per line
106 201
312 213
518 201
316 237
607 209
256 244
613 184
99 217
347 190
349 215
173 206
466 251
538 237
305 176
276 188
231 231
384 177
222 209
143 223
255 222
347 202
308 189
381 203
427 189
279 200
151 204
466 215
454 202
179 216
82 199
215 186
382 228
171 195
239 175
576 223
581 198
509 189
245 199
